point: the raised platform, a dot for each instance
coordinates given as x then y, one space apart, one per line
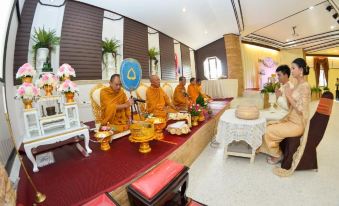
74 179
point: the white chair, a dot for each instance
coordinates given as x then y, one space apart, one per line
168 90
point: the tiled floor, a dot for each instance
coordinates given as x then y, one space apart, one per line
217 181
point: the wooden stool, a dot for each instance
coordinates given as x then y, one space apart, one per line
164 185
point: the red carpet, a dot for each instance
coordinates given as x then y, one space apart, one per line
74 179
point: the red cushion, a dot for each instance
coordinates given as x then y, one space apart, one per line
151 183
102 200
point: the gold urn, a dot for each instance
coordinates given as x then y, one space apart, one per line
142 132
159 125
27 103
48 89
69 97
104 138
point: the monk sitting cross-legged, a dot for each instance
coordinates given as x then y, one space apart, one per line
157 101
192 90
205 96
180 96
115 107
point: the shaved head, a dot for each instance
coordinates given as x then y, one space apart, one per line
115 82
155 81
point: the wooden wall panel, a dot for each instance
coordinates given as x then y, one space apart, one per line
166 57
185 61
81 35
136 44
216 48
23 36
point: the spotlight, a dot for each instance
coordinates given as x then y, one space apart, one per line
329 8
335 16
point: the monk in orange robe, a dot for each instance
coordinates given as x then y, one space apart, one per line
157 101
180 96
192 90
115 107
205 96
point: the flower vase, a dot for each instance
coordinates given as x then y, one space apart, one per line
27 103
41 57
195 120
64 78
48 90
27 79
69 97
201 117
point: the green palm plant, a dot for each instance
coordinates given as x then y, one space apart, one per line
44 39
110 46
153 53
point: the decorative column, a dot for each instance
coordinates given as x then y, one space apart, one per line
234 60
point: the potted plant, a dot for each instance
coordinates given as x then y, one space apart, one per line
153 53
26 73
65 72
28 93
47 81
195 111
43 43
203 104
315 93
68 88
109 54
269 93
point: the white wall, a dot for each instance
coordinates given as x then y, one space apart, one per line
192 59
113 29
5 10
153 42
13 105
51 18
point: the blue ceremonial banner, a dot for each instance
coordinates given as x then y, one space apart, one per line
130 74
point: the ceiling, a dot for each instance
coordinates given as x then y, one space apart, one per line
199 22
331 51
271 23
202 21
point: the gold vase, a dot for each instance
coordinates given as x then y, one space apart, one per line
27 79
195 120
104 137
69 97
144 148
201 117
48 90
27 103
64 78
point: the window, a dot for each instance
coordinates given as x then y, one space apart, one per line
212 68
322 78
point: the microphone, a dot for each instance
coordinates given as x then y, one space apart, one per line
139 100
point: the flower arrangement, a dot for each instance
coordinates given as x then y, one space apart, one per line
47 79
28 91
194 110
68 87
201 101
65 70
25 70
270 87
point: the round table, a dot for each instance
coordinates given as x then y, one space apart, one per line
231 128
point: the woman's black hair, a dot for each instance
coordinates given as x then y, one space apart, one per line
302 64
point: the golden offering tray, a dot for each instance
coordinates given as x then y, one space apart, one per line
104 138
159 125
142 132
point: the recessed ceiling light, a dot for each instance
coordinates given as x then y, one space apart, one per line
184 9
332 27
311 7
205 32
287 40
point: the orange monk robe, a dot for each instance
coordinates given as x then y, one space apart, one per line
109 99
179 98
157 102
193 92
202 93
